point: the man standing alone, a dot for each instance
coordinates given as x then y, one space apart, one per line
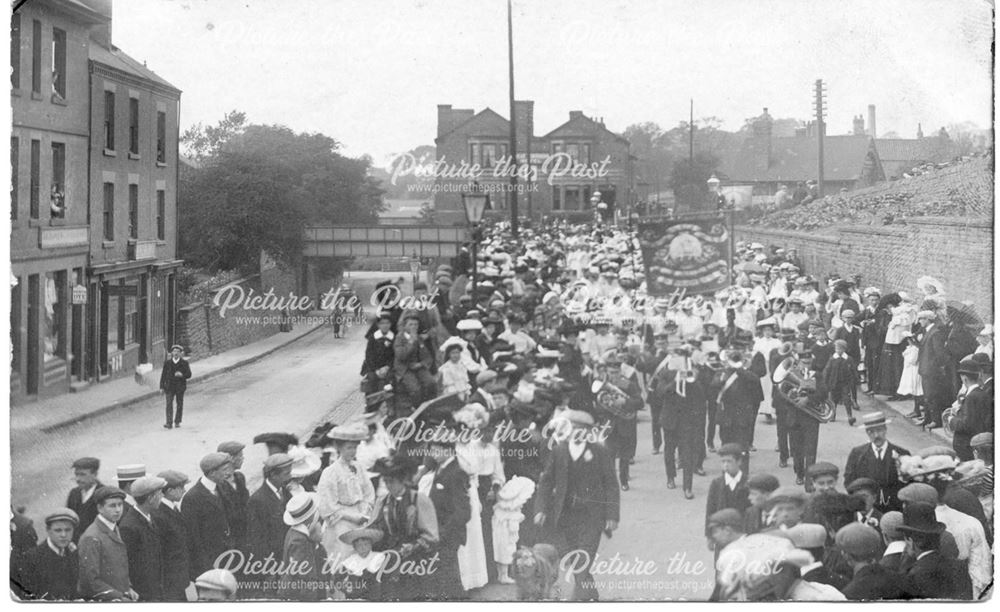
173 383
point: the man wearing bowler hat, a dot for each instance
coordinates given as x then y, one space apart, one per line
81 499
877 460
204 512
931 576
51 569
103 557
176 546
142 539
173 384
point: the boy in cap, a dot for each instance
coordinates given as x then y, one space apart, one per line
142 539
866 490
861 545
175 543
204 512
759 488
216 585
785 508
811 538
895 544
51 569
379 355
173 384
823 477
975 411
81 498
840 377
729 490
104 566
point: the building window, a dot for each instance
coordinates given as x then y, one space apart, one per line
133 126
15 148
36 163
133 211
114 321
161 137
57 193
557 147
54 316
556 198
15 325
159 299
474 153
109 120
161 214
131 318
109 211
585 151
573 150
15 51
36 57
59 63
489 155
573 199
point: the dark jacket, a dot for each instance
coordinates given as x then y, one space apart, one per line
176 548
450 496
379 353
235 498
720 497
208 527
304 559
935 577
936 367
86 511
862 463
973 417
875 583
145 568
598 487
266 533
171 383
46 575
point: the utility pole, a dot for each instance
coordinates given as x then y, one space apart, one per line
691 137
513 121
820 105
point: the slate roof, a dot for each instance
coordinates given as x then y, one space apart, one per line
794 159
119 60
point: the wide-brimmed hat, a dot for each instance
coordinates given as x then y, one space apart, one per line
304 462
300 509
352 432
349 537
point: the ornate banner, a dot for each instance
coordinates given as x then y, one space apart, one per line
689 255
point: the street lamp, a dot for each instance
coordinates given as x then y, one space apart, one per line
415 268
475 203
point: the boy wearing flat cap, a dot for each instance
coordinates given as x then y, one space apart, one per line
173 384
51 569
204 511
175 542
104 568
142 539
81 499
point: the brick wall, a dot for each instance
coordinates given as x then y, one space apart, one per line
203 331
958 252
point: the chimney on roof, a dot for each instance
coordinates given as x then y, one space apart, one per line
871 121
859 125
575 115
762 134
101 33
920 131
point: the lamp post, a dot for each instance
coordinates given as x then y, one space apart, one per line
720 205
474 202
415 268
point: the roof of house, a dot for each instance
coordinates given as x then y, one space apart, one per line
486 113
914 150
119 60
794 159
582 124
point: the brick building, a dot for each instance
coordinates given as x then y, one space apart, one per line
63 255
556 185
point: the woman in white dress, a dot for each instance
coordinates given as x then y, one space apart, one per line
346 496
764 344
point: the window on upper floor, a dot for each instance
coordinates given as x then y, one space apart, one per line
15 51
109 211
133 126
161 137
15 149
109 120
36 171
36 57
161 215
59 63
133 211
57 192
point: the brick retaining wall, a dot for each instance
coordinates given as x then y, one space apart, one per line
958 252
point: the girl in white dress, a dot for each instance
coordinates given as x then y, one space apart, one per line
909 382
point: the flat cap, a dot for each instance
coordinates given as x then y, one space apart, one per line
727 517
786 494
981 439
231 447
890 523
859 540
276 462
147 484
807 535
217 580
62 514
862 483
87 463
919 492
213 461
131 472
763 482
731 449
105 493
174 478
822 468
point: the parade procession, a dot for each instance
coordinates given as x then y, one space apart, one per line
352 343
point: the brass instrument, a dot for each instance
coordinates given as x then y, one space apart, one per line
946 418
797 390
610 398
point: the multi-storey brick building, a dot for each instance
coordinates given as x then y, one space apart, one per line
567 165
63 255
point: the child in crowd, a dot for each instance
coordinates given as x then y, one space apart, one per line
840 377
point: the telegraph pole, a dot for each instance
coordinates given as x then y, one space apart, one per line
691 137
513 122
820 105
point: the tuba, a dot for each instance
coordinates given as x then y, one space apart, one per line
797 391
611 399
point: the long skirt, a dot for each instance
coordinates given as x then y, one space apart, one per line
472 556
890 369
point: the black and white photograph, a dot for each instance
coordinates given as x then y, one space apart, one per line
501 301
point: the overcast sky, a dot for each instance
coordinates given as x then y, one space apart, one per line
371 73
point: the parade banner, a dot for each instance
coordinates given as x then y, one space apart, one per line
689 255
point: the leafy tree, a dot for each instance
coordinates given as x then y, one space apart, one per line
654 159
201 142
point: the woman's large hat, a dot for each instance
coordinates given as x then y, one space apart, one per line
370 533
352 432
304 462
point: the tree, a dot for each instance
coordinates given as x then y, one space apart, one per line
647 143
690 180
201 142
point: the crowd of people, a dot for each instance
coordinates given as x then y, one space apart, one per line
500 424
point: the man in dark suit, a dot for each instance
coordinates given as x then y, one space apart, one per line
81 499
204 512
730 489
877 460
414 364
932 576
51 570
175 544
266 528
682 415
234 492
173 384
861 546
936 368
379 356
450 496
738 402
975 414
103 557
142 539
578 496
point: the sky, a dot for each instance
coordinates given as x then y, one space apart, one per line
371 73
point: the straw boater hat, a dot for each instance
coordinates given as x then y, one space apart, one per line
300 509
875 419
